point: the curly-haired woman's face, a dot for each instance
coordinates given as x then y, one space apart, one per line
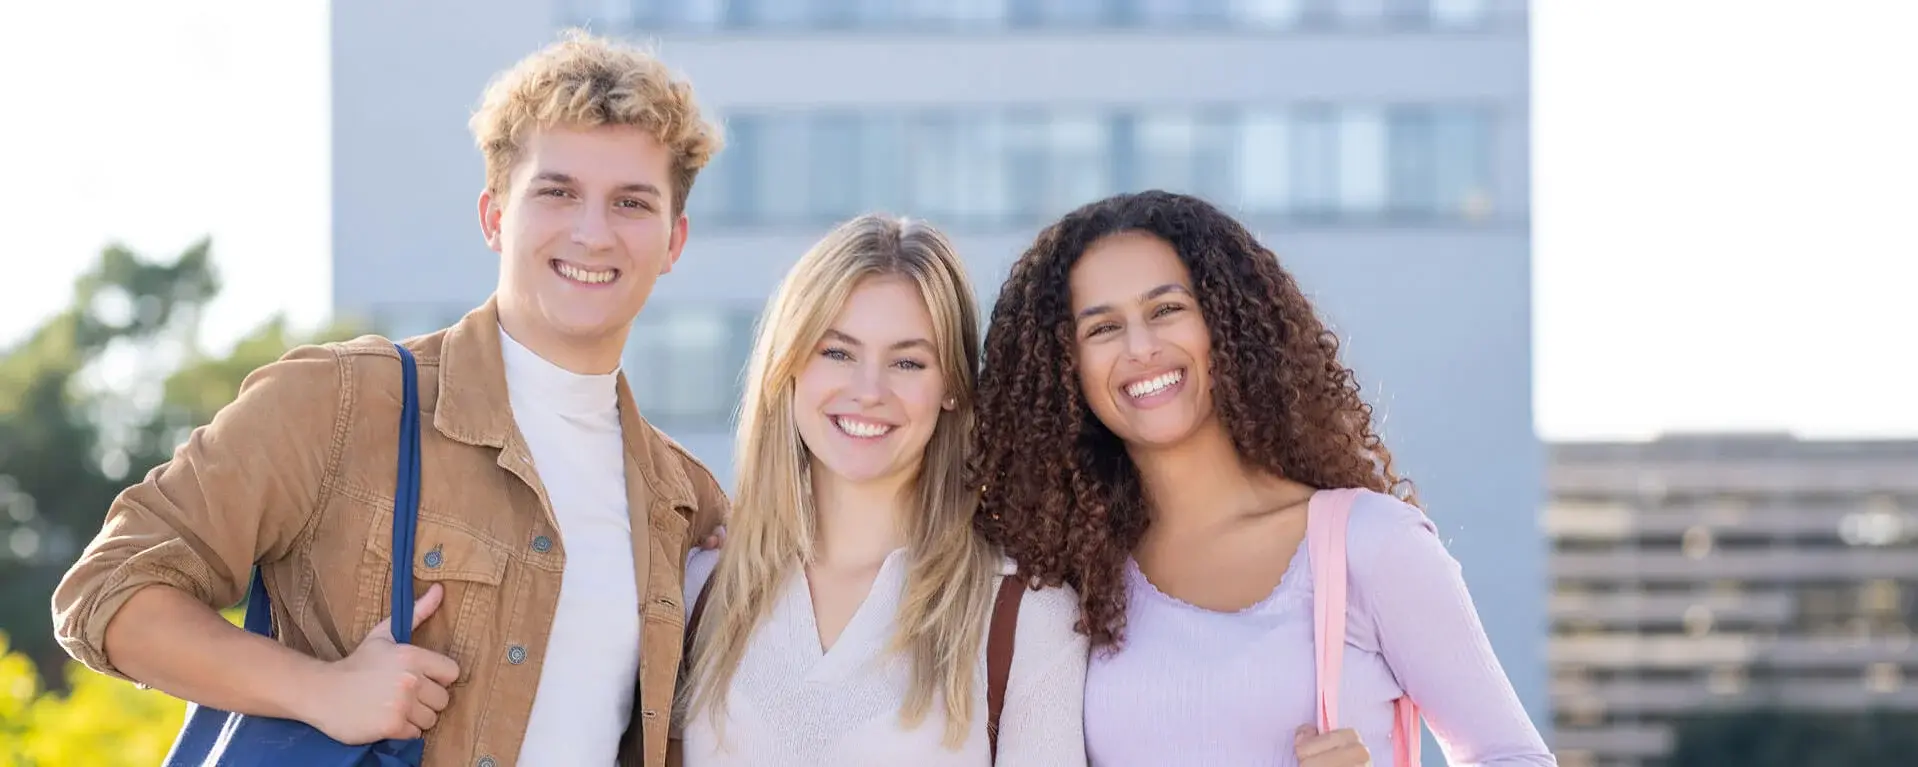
1143 347
867 401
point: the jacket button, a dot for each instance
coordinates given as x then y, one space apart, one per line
516 655
433 559
487 761
542 544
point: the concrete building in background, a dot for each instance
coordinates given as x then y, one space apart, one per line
1381 147
1705 573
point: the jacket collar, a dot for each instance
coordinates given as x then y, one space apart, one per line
473 406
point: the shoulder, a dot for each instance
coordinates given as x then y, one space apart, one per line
705 484
371 363
1385 534
1378 515
309 383
1047 617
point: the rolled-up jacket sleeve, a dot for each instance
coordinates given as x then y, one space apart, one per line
241 490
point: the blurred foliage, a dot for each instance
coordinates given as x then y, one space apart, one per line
91 400
1789 738
100 720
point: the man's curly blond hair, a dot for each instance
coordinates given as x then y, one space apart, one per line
583 81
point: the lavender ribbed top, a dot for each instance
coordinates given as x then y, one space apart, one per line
1198 687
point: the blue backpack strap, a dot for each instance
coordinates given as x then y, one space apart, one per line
259 609
406 499
406 510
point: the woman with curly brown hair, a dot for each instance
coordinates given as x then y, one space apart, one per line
1160 405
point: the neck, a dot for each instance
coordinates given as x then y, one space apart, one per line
858 522
1198 481
583 355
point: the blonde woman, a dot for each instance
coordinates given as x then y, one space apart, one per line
847 617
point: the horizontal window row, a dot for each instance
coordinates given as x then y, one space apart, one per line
686 364
1019 167
828 15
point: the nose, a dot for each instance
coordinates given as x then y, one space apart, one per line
591 230
868 385
1141 344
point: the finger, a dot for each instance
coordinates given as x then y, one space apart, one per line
400 725
422 717
428 604
1315 745
435 666
434 696
1304 731
1351 756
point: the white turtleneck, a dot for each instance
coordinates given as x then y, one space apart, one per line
571 425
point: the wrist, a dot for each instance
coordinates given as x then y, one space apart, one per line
297 693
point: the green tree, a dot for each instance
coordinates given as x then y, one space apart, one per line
93 399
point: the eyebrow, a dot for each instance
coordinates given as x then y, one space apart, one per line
847 339
561 178
1170 287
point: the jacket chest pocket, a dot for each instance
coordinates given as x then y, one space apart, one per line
468 567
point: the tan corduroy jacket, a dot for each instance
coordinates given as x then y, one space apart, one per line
297 475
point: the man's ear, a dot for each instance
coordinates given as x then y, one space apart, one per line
489 215
676 244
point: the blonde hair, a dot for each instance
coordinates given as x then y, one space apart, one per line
943 611
584 81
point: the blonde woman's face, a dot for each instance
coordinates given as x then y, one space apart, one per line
872 390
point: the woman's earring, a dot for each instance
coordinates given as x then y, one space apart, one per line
951 402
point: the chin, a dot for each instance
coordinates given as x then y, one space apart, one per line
1162 432
856 473
571 320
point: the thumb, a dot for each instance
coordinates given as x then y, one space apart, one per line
423 608
427 604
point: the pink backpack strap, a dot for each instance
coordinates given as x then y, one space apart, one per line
1325 524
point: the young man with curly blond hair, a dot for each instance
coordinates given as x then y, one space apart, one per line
554 521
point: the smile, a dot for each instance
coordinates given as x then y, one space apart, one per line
1155 385
583 275
860 428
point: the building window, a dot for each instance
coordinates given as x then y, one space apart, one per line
1314 149
684 364
973 169
654 16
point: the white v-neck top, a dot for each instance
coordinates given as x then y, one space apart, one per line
792 704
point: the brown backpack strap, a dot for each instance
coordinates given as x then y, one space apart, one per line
1005 625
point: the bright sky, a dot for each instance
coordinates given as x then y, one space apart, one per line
1717 186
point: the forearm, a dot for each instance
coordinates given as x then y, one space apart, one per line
168 640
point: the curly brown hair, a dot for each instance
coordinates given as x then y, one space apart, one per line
1060 493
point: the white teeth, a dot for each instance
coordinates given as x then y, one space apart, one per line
860 428
581 275
1155 384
